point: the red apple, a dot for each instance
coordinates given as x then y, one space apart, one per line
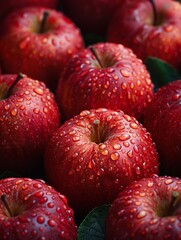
104 75
147 209
96 154
28 117
162 119
10 5
38 41
92 15
30 209
149 29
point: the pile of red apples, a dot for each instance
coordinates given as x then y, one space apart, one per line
83 126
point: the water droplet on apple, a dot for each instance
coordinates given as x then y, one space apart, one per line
168 181
14 112
115 156
40 219
39 91
105 152
125 73
36 110
141 214
117 146
176 97
51 223
124 137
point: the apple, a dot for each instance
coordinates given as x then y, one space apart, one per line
38 41
104 75
31 209
147 209
96 154
149 28
91 16
28 117
162 119
10 5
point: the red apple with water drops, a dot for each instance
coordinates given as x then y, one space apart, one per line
28 117
149 28
104 75
31 209
38 41
96 154
162 119
147 209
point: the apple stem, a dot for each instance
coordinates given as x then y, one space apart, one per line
175 201
8 94
4 200
43 23
96 56
154 12
97 137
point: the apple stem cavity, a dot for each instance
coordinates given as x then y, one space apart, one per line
43 23
9 92
175 202
154 12
5 202
96 130
92 49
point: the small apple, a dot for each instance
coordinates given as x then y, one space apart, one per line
30 209
149 28
91 16
147 209
104 75
162 119
28 117
96 154
9 5
38 41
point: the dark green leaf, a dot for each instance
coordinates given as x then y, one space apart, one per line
161 72
93 226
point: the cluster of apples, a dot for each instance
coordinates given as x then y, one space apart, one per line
88 118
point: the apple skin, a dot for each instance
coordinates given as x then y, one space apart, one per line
41 56
9 5
139 33
91 16
122 83
91 172
162 119
39 211
28 118
141 211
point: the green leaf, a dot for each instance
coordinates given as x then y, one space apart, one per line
93 226
161 72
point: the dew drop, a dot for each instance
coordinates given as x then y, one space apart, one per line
39 91
36 110
50 205
117 146
40 219
51 223
168 181
176 97
115 156
124 137
133 125
14 112
150 184
7 107
141 214
105 152
125 73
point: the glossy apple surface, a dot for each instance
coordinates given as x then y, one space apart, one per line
135 26
147 209
96 154
104 75
38 41
30 209
28 117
